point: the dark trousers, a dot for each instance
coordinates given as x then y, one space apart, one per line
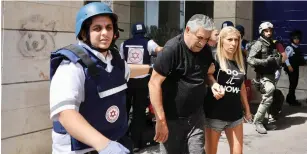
137 97
293 79
125 141
186 136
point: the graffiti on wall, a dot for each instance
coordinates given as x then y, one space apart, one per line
37 37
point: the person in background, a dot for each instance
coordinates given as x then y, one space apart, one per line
244 42
295 59
138 50
241 29
226 24
213 41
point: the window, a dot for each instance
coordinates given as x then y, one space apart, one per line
163 19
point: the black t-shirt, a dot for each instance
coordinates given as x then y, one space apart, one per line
228 108
184 88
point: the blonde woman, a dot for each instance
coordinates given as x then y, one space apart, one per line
228 94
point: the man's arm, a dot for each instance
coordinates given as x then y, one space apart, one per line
252 57
164 65
155 92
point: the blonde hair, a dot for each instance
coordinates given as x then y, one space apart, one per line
220 53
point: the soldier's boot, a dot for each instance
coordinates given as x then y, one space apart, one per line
258 119
260 128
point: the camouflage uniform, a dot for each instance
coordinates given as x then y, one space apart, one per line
266 60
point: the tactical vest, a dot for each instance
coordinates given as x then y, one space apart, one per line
266 51
296 60
104 106
135 50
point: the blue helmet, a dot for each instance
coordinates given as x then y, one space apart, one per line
227 23
138 28
240 28
92 9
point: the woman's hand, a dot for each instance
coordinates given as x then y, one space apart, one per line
218 91
248 117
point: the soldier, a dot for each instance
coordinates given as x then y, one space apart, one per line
266 61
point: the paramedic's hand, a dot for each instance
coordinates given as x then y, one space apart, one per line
218 91
114 148
290 68
161 131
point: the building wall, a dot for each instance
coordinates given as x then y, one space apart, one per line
31 30
239 12
129 12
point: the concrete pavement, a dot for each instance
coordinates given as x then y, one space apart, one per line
289 138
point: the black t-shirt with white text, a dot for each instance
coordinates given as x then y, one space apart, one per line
184 88
229 107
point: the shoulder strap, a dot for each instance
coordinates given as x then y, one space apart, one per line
84 58
116 58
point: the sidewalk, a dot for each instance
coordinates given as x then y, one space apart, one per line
289 138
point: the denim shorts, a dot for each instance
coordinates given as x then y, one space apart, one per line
220 125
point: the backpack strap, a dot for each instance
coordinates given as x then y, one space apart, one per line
83 58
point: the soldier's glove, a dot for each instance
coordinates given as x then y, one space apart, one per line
114 148
272 63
